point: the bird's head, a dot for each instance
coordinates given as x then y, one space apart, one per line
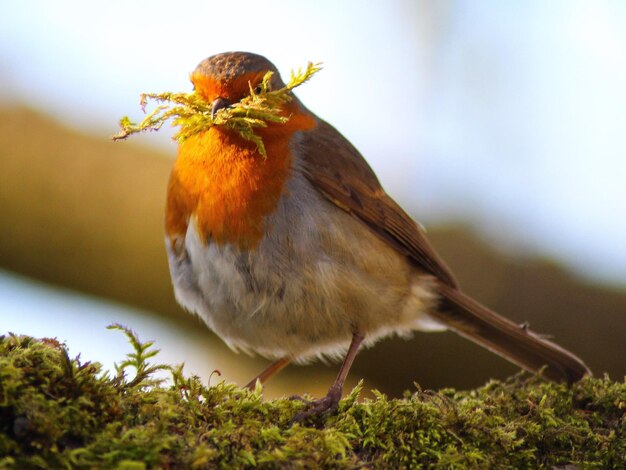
226 78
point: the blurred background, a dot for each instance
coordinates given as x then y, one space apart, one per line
501 126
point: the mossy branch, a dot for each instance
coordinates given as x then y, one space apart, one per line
57 412
192 113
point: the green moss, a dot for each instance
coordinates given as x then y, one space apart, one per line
192 113
57 412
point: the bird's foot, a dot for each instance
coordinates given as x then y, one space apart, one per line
319 407
299 398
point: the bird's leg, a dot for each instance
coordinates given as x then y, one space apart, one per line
331 400
270 370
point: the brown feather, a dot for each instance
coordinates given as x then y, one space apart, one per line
517 343
339 172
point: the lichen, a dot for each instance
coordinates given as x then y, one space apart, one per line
60 412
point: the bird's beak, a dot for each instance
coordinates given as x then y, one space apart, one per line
218 104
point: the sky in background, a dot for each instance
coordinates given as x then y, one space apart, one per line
508 115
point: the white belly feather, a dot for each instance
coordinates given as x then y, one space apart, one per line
318 276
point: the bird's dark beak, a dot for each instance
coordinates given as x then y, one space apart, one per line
219 103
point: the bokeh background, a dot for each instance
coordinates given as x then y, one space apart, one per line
501 126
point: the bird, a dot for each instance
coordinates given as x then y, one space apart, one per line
300 254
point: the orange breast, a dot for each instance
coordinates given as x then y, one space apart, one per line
221 180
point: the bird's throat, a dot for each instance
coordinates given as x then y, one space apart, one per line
222 184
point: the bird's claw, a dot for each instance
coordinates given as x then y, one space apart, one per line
299 398
326 405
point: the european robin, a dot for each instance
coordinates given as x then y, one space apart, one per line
300 253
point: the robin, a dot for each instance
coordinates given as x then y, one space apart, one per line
300 253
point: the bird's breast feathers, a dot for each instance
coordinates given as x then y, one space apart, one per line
296 292
228 189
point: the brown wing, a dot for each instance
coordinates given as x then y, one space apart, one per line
339 172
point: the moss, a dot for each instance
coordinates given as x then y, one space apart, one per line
193 114
58 412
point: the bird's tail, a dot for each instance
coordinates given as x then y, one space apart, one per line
514 342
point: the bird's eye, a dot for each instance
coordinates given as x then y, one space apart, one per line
259 88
